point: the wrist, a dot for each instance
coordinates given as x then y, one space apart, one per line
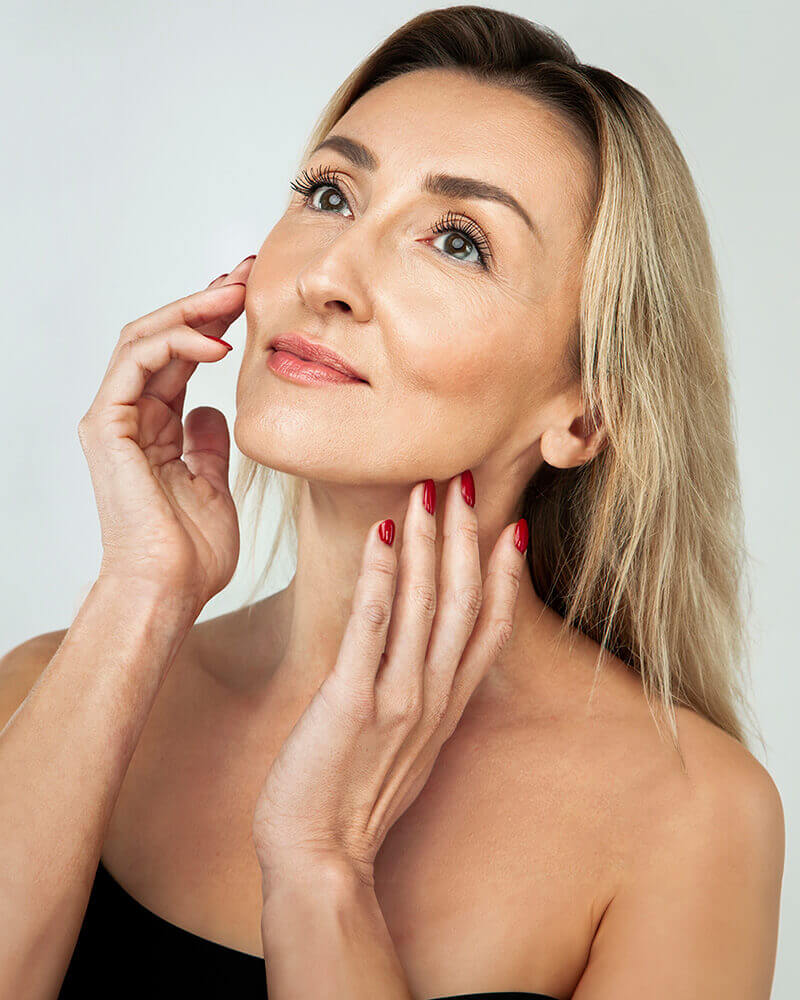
326 883
161 602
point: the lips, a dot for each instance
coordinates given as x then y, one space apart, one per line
307 350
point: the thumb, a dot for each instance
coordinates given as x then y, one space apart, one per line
207 446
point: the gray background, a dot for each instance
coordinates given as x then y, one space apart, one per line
148 147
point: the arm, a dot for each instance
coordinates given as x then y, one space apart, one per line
698 915
324 936
63 756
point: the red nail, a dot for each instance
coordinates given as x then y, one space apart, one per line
521 535
429 496
225 275
225 342
468 487
386 531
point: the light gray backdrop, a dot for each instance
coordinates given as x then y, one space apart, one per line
147 147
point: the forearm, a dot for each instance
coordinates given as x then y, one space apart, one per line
63 757
326 937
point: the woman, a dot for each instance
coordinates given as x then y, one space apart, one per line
393 778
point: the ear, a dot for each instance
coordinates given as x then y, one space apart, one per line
567 445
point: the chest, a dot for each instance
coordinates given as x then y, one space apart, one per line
495 876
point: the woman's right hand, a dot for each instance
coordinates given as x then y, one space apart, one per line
167 516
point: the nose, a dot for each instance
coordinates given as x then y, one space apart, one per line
335 279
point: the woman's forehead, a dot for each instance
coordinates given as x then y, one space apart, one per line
440 121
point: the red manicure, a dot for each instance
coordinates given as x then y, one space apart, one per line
468 487
429 496
521 535
386 531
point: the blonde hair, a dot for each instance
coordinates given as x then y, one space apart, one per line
642 548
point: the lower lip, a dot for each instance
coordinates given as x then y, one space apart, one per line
309 372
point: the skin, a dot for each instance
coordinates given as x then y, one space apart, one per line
552 835
443 395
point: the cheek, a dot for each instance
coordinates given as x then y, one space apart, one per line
453 341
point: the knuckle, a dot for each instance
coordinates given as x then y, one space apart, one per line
85 425
363 705
468 528
501 633
469 599
423 596
376 613
437 712
510 573
427 531
407 706
381 567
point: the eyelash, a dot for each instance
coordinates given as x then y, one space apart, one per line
308 182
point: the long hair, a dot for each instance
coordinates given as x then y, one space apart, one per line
642 548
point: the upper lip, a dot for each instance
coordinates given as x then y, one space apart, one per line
310 351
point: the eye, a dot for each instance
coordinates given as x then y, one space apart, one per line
309 182
468 235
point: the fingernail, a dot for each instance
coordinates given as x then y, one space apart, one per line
386 531
225 342
521 535
251 257
429 496
468 487
225 275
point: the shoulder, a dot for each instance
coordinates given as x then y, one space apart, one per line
718 805
695 849
726 814
698 898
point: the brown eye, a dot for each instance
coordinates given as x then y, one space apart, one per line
463 234
331 198
318 179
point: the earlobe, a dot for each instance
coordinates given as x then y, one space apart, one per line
560 448
565 448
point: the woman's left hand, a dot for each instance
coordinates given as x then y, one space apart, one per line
366 744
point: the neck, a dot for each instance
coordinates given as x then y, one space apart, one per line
309 617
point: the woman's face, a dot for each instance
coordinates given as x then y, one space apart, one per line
461 336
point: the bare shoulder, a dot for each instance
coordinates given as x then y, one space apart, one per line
725 780
703 861
723 818
715 783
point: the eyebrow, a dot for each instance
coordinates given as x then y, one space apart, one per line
447 185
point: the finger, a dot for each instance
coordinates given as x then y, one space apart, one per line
217 281
169 385
206 446
495 622
460 598
365 634
400 679
137 360
202 310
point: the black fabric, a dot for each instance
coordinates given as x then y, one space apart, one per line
125 950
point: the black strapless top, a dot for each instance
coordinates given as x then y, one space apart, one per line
155 959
